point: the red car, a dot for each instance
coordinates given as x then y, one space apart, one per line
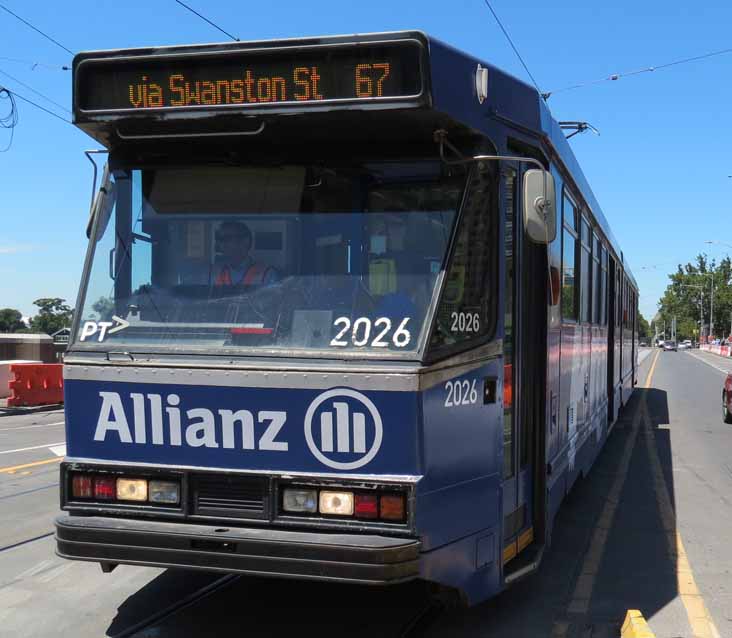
727 399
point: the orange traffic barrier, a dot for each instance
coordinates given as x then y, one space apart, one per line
36 384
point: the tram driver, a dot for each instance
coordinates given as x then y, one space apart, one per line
236 266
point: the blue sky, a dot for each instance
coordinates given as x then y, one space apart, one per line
659 168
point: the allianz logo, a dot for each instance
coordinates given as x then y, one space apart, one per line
201 427
342 427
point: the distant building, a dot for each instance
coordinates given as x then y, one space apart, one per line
61 342
30 347
61 336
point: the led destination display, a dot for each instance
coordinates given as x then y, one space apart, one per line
249 78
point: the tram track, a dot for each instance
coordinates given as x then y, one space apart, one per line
418 624
178 606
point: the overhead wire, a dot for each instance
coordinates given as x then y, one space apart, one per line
33 65
9 120
513 46
616 76
205 19
36 29
38 106
30 88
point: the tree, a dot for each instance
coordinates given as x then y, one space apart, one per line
53 315
11 320
688 298
644 329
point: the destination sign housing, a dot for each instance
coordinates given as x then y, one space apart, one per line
248 78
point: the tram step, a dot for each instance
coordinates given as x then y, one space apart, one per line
527 562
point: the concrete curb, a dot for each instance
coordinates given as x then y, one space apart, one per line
13 411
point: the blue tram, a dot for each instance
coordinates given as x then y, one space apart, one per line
349 311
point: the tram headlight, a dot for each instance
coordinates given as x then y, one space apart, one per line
336 503
131 489
300 500
164 492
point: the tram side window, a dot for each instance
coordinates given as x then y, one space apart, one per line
585 282
603 287
596 286
569 259
466 310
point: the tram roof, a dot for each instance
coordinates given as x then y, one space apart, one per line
451 72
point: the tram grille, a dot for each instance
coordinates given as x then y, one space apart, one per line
229 496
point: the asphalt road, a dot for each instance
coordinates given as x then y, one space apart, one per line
646 529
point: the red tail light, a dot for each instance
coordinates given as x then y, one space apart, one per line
105 488
366 506
392 507
507 385
81 486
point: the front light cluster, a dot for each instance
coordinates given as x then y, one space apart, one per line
102 487
385 506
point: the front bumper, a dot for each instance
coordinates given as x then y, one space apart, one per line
358 558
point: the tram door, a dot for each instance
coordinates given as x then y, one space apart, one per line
524 370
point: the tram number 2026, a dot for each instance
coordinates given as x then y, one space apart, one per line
460 393
378 335
465 322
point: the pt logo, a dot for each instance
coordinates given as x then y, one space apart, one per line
343 429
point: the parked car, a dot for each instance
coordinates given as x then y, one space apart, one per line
727 399
670 345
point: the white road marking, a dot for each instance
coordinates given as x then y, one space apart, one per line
58 450
722 370
28 427
34 447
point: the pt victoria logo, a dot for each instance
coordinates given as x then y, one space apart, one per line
343 429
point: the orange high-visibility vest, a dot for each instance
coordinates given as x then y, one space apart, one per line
254 275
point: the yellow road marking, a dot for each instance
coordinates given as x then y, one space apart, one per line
700 619
635 626
14 468
580 601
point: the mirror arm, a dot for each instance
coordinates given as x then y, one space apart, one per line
94 179
440 137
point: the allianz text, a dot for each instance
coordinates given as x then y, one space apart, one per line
163 422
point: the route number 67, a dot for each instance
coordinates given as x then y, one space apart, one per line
460 393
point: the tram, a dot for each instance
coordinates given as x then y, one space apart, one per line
350 312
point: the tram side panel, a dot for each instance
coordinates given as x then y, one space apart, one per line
458 497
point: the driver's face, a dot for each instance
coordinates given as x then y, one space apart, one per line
235 247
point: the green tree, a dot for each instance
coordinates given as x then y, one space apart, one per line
644 328
53 314
688 297
11 320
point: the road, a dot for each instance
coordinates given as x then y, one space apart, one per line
646 529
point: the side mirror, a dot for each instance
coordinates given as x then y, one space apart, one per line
540 210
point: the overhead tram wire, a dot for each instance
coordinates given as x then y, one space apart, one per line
616 76
38 106
30 88
36 29
33 65
10 120
513 46
205 19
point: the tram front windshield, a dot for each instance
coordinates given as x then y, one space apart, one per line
289 257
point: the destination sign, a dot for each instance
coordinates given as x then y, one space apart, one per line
250 78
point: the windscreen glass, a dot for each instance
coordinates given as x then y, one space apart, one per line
319 257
